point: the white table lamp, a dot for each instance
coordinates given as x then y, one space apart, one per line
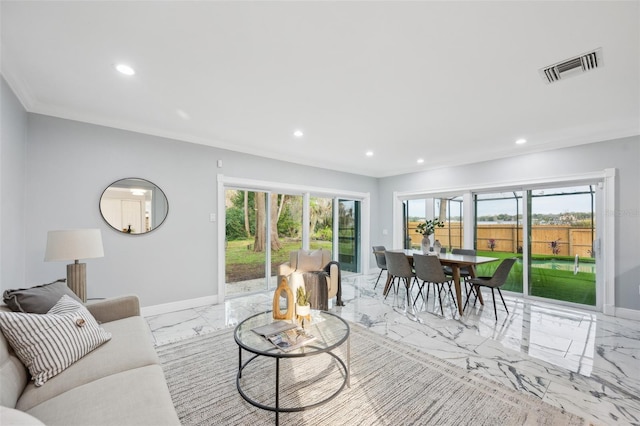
73 245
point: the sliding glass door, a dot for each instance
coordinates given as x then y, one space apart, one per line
261 229
245 239
349 235
563 233
320 223
557 245
448 210
286 234
499 233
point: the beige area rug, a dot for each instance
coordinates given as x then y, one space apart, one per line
390 385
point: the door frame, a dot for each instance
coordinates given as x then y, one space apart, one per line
606 181
357 228
229 182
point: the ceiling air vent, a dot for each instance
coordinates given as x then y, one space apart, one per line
574 66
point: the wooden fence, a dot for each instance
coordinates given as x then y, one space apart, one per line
559 240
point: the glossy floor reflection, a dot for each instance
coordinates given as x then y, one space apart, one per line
582 361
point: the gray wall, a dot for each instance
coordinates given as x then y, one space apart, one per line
622 154
53 172
13 126
70 163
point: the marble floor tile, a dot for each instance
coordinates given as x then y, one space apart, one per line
579 360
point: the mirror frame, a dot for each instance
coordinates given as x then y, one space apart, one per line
145 185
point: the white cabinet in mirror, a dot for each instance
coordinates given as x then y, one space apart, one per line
134 206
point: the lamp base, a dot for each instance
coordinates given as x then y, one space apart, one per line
77 279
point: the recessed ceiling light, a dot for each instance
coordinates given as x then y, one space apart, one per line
369 154
298 134
420 160
521 141
125 69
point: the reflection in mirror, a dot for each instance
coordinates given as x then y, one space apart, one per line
133 206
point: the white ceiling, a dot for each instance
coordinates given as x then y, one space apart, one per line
451 82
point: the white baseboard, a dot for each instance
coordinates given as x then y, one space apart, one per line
631 314
148 311
609 310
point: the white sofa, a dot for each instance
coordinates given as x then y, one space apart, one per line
119 383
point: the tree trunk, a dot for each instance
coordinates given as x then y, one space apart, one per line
275 213
247 228
260 239
281 206
443 210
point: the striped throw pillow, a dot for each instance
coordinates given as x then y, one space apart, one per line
49 343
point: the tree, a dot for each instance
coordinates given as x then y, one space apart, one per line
261 212
261 215
275 216
320 214
442 217
246 214
234 230
289 219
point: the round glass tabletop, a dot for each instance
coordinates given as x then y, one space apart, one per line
329 330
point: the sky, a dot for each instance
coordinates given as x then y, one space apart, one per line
543 205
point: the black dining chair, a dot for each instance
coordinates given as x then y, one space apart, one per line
429 270
496 281
381 261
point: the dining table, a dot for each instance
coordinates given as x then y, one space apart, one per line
455 262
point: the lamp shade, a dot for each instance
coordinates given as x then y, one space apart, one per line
74 244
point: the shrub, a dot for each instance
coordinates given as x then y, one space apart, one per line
324 234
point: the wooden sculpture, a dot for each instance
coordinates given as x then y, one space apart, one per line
283 290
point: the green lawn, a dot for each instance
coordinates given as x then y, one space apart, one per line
548 283
242 263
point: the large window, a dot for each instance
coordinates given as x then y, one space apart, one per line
261 229
449 210
559 240
499 233
320 223
349 235
560 230
263 226
563 232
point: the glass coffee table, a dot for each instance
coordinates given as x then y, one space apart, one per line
330 332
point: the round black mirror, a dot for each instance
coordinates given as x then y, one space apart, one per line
133 206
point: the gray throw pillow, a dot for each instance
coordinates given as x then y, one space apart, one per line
38 299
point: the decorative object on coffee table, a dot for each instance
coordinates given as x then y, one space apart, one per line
283 290
303 307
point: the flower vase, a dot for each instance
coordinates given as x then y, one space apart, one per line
425 244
